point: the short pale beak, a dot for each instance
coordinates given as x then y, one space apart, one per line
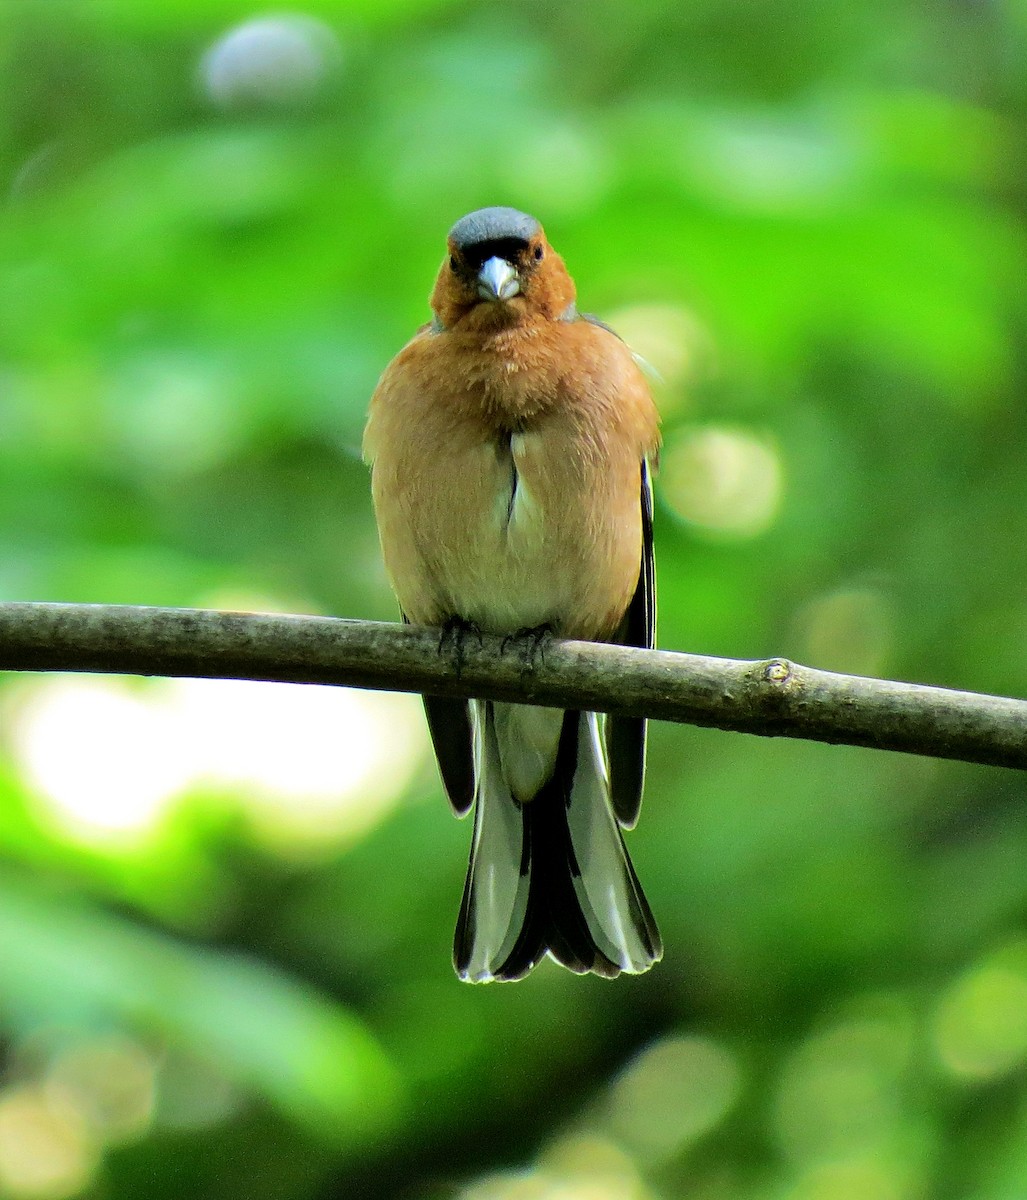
497 280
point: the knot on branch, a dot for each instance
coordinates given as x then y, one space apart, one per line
777 670
770 690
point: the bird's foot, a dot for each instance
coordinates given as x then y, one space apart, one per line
455 633
531 642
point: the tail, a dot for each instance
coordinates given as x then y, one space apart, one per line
552 873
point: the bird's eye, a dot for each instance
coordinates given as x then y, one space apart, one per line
538 253
452 262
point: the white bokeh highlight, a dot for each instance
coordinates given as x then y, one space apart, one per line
308 767
99 754
272 60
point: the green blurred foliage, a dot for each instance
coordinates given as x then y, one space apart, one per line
810 216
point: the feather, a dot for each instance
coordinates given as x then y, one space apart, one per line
552 874
626 736
495 898
449 723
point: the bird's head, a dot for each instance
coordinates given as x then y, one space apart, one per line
499 271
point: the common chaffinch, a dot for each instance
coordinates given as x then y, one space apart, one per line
510 443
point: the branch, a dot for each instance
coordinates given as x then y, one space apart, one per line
773 698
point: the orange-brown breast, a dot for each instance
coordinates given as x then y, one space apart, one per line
506 476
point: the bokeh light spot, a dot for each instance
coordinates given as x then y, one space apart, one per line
726 482
270 60
867 1178
110 1081
980 1024
99 753
673 1093
849 630
309 767
45 1150
578 1168
313 766
672 340
839 1096
194 1092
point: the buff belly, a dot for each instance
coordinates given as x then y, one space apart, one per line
521 563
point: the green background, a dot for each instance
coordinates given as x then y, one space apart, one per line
228 982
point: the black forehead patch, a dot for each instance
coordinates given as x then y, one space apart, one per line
480 252
494 225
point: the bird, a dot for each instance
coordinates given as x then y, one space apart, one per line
510 444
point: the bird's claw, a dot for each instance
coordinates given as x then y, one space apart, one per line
455 632
532 641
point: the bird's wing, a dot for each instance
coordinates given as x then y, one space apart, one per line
625 736
449 723
452 737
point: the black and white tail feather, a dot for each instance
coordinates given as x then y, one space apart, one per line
549 872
